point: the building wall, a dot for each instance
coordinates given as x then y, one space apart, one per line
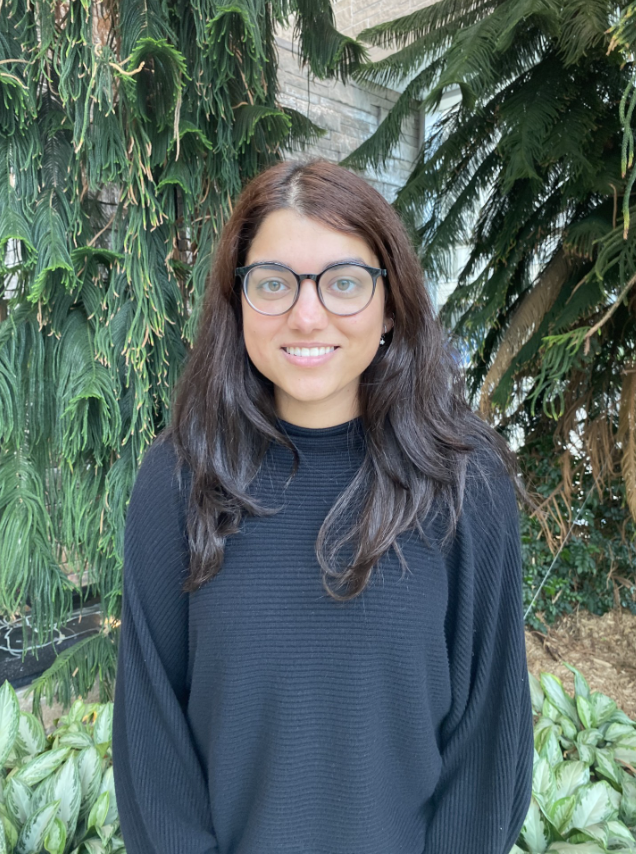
353 16
350 114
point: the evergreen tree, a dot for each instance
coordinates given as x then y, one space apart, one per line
126 129
531 170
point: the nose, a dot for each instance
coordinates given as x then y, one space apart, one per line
308 312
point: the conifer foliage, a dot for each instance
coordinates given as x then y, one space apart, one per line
533 171
126 129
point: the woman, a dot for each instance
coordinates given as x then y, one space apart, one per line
322 644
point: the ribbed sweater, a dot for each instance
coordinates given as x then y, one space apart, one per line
258 715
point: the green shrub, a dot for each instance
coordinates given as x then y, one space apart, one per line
583 785
57 793
595 568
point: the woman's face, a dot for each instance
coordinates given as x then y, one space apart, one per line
324 394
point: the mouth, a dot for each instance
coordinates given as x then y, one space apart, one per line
308 352
309 357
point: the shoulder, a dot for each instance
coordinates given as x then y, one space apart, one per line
160 481
489 487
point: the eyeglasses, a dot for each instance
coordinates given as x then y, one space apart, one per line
343 289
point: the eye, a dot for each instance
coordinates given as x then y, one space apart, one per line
345 285
272 286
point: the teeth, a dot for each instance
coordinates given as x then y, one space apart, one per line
309 351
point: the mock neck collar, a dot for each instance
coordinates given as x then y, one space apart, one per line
341 437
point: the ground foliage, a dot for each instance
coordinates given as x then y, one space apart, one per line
126 129
593 567
583 783
57 790
534 172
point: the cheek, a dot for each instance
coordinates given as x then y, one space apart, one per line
366 334
258 333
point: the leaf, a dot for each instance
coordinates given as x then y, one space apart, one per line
10 831
536 693
534 831
543 782
581 687
550 711
551 749
249 117
4 849
76 713
605 764
617 833
553 688
626 435
55 840
595 802
625 749
586 712
583 848
627 811
99 811
560 812
569 776
590 736
615 731
9 720
542 730
78 740
67 791
529 312
31 738
32 835
603 706
620 717
42 794
105 832
89 766
108 785
586 740
17 797
594 833
40 767
103 728
569 730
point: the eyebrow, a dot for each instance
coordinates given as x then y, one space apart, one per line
352 259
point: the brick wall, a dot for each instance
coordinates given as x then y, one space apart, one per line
353 16
350 114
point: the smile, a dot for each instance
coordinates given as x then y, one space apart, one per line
308 357
308 351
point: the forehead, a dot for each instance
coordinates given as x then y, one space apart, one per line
305 244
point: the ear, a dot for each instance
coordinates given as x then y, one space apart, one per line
388 322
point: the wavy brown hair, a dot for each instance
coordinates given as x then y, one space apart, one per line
419 430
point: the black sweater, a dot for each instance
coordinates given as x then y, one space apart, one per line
260 716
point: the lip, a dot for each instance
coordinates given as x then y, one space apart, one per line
310 344
310 361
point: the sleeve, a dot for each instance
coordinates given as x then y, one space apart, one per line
483 793
160 786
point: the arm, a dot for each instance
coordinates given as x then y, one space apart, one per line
161 790
483 793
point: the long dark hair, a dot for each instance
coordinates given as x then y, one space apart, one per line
419 430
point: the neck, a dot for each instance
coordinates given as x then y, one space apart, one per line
316 414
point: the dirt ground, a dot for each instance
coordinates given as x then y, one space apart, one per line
602 648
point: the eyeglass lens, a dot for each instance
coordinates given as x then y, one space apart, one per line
345 288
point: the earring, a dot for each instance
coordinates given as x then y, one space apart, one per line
382 342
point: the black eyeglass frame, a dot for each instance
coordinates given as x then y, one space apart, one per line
375 272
